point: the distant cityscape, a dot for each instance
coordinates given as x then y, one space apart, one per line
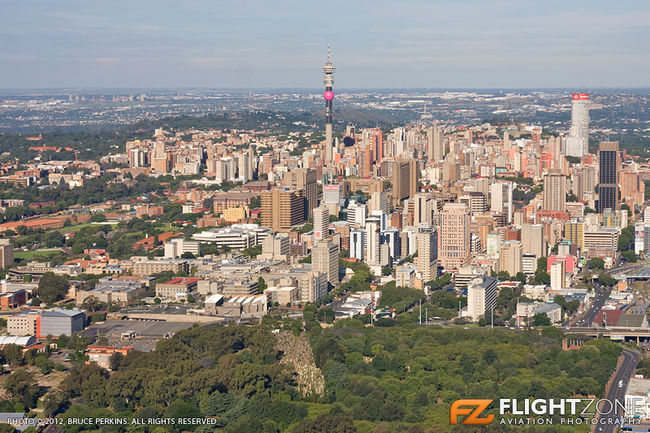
369 212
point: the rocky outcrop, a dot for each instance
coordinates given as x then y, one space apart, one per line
297 352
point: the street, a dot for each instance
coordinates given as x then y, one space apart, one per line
599 300
607 423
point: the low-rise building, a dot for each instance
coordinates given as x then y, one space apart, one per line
24 323
150 267
117 291
283 295
58 321
527 310
101 355
176 286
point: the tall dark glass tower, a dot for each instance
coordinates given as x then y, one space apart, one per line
608 177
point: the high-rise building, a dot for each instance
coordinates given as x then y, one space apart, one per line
510 257
378 202
501 199
558 275
325 258
6 253
358 244
305 179
426 263
454 236
405 180
632 187
372 243
577 144
554 192
609 162
481 296
435 143
283 208
356 214
321 223
328 71
574 233
422 209
532 240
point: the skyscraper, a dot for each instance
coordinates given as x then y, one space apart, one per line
325 258
328 71
554 192
577 143
435 143
454 237
405 180
426 263
283 208
305 179
321 223
608 177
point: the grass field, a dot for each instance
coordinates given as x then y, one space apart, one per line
38 254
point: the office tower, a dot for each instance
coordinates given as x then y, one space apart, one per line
435 143
632 187
506 140
275 247
608 176
332 195
422 209
558 275
161 160
283 208
481 296
325 258
328 71
454 236
321 223
510 257
554 192
532 239
577 144
583 181
574 233
405 180
305 179
6 253
378 202
356 214
501 199
372 243
476 202
391 237
358 244
426 263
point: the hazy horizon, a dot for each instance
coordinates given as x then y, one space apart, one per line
252 44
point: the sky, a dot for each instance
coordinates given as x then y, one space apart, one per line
283 44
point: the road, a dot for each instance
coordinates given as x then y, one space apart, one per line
607 423
599 300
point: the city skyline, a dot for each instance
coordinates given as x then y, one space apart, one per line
243 45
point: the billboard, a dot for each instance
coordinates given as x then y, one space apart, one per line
580 96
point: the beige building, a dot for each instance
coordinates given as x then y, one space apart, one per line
283 208
22 324
236 214
149 267
275 247
304 179
454 236
325 258
282 295
510 257
554 192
